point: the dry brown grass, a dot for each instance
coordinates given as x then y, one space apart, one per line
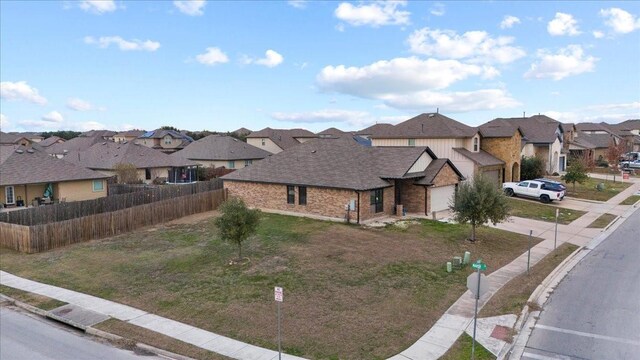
350 293
514 295
602 221
39 301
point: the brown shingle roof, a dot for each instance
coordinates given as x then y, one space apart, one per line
537 129
50 141
107 154
332 162
242 131
433 169
499 129
332 131
375 129
36 167
79 143
135 133
428 126
598 141
220 147
481 157
284 138
9 139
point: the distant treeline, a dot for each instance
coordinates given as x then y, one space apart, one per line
65 134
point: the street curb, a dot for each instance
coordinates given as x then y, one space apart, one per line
90 330
526 322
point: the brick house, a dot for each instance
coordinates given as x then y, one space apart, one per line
447 138
504 142
339 178
277 140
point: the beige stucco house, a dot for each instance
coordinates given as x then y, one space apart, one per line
167 141
130 135
277 140
219 151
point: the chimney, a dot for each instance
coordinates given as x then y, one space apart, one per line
437 110
422 127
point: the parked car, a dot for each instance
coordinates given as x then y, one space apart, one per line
533 189
552 184
630 164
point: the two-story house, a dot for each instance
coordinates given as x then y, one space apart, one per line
277 140
130 135
447 138
167 141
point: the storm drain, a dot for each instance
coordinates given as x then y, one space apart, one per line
75 315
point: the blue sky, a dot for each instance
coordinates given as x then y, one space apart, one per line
222 65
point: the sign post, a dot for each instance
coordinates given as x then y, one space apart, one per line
529 252
477 286
279 298
555 238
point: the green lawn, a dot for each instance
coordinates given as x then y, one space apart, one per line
462 350
588 190
630 200
350 292
602 221
531 209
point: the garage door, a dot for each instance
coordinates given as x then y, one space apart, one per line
493 176
441 196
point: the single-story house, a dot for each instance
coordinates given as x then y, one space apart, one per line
152 165
277 140
28 173
339 178
221 151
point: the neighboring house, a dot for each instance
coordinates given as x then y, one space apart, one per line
32 136
504 141
51 140
593 145
332 132
277 140
167 141
152 165
447 138
14 139
76 144
102 134
543 137
27 173
126 136
221 151
628 130
241 132
373 130
339 178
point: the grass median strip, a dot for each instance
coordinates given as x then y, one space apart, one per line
630 200
39 301
536 211
514 295
461 349
602 221
349 292
588 190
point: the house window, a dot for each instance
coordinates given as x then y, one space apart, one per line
302 195
167 140
475 144
231 164
10 195
263 142
412 142
376 200
147 174
291 194
248 162
98 185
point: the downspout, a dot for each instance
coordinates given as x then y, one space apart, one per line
425 201
358 214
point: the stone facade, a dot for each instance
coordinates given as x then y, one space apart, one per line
507 150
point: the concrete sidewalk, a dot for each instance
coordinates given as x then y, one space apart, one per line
177 330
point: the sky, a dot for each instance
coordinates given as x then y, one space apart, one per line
218 66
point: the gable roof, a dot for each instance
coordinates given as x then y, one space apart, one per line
375 129
241 131
597 141
284 138
20 165
161 133
481 157
428 126
107 154
332 162
51 140
134 133
499 129
79 143
433 169
11 138
631 124
220 147
539 129
332 131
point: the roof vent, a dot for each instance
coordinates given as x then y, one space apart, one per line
432 115
104 143
30 151
65 151
313 151
19 151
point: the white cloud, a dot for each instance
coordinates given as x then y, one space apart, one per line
191 7
53 116
399 75
4 121
298 4
437 9
20 91
611 113
563 24
458 101
375 14
568 61
124 45
212 56
324 116
79 104
477 46
509 21
50 125
271 59
598 34
98 6
620 20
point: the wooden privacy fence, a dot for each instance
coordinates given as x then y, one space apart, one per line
43 237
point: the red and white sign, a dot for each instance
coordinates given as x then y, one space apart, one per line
279 294
625 176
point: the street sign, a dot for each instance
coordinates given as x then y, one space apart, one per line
279 295
472 284
479 265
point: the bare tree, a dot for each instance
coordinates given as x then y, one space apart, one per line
614 152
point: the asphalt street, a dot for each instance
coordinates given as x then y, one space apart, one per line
594 313
25 337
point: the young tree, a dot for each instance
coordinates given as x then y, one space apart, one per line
576 172
478 202
531 167
237 222
126 173
614 152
